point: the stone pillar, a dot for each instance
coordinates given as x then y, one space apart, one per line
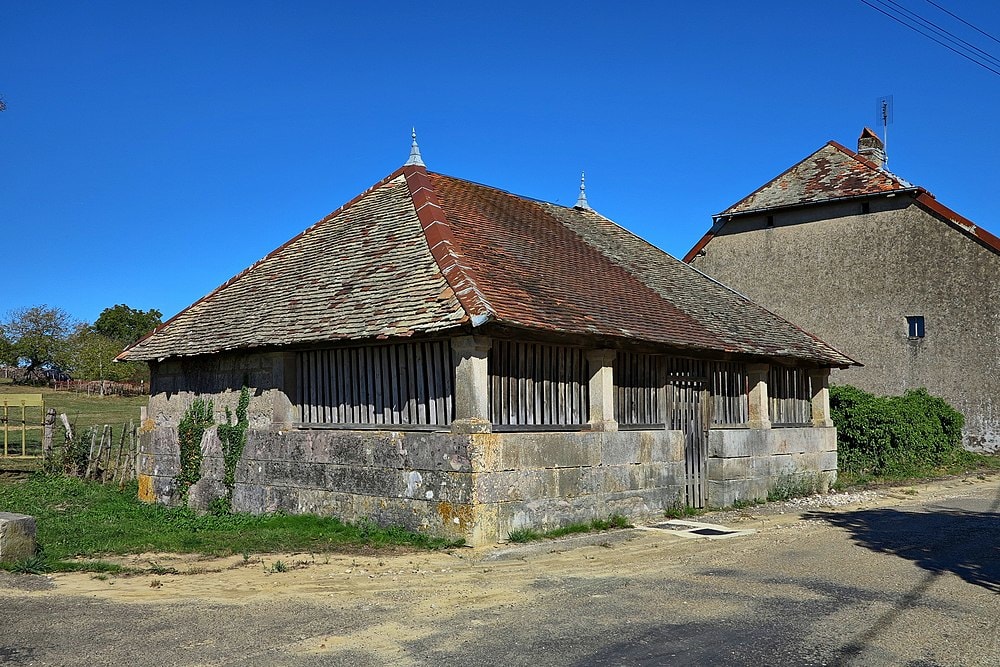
602 390
820 380
472 384
759 416
284 371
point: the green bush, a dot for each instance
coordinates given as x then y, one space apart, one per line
197 417
894 436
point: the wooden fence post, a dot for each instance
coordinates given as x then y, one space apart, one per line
50 420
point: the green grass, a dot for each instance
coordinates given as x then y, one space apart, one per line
83 411
963 463
522 535
79 519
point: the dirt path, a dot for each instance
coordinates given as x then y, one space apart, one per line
415 608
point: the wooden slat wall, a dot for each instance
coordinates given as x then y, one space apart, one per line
537 385
398 384
639 388
789 395
730 405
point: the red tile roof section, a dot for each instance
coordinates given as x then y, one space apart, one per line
443 246
537 274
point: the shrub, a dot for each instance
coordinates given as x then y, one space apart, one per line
195 420
894 436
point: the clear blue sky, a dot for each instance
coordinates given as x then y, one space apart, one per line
150 151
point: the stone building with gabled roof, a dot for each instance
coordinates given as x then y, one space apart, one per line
879 268
455 358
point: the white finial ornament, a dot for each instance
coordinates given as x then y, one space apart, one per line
581 201
415 158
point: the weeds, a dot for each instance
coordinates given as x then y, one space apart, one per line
680 511
36 564
615 521
793 486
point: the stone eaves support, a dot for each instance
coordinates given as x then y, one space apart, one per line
820 380
759 416
472 384
602 390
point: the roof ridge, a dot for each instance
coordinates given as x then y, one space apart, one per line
330 216
902 182
457 272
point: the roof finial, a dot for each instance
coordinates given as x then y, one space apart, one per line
415 158
581 201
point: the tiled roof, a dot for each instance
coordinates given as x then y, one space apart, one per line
423 252
363 271
832 172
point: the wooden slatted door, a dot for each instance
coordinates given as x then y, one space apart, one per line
686 412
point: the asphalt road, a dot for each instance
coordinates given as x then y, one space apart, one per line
899 581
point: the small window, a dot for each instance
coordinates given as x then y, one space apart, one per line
866 207
915 326
770 221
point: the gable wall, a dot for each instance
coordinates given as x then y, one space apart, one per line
852 279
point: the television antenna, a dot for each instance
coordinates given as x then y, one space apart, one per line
883 116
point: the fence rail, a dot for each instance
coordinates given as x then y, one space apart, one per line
16 417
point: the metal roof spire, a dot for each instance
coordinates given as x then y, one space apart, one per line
581 201
414 152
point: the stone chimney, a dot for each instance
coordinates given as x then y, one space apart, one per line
871 147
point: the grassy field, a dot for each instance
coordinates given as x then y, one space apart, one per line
77 518
82 410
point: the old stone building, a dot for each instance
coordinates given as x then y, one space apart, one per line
454 358
877 267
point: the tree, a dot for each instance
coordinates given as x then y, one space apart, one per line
7 356
126 325
37 335
89 355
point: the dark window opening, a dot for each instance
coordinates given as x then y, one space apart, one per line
770 221
866 207
915 326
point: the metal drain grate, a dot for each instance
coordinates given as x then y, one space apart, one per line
696 529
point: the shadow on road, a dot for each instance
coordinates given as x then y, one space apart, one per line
965 543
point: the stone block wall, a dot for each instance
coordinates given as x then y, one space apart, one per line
745 464
546 480
475 486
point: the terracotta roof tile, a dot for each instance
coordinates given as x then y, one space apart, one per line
832 172
424 252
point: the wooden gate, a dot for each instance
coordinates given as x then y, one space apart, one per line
686 412
23 424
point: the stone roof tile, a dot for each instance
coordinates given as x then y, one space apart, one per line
832 172
422 252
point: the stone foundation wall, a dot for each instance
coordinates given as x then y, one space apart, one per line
475 486
545 480
745 464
